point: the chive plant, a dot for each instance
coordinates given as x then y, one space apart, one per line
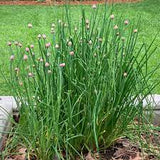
77 92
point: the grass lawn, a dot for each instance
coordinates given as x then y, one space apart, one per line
14 20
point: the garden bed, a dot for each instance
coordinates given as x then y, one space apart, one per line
122 149
48 2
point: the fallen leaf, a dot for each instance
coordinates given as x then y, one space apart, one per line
89 157
22 156
137 157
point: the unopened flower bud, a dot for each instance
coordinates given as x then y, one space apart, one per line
20 45
25 57
75 29
9 43
94 6
117 34
90 42
71 53
69 43
47 64
135 30
12 57
30 25
16 69
125 74
112 16
44 36
30 74
21 83
123 38
65 25
48 45
41 59
32 46
87 21
126 22
16 43
53 25
115 27
48 54
62 65
56 46
87 26
100 39
39 36
27 49
49 71
52 30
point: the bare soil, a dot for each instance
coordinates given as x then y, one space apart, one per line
49 2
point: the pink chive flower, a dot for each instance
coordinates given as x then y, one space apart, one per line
126 22
27 49
44 36
30 25
135 30
112 16
94 6
25 57
47 64
62 65
9 43
12 57
39 36
115 27
48 45
32 46
71 53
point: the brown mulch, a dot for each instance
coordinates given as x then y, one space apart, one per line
48 2
123 149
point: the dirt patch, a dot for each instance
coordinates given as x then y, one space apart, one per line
49 2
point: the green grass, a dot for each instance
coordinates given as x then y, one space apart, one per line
14 20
